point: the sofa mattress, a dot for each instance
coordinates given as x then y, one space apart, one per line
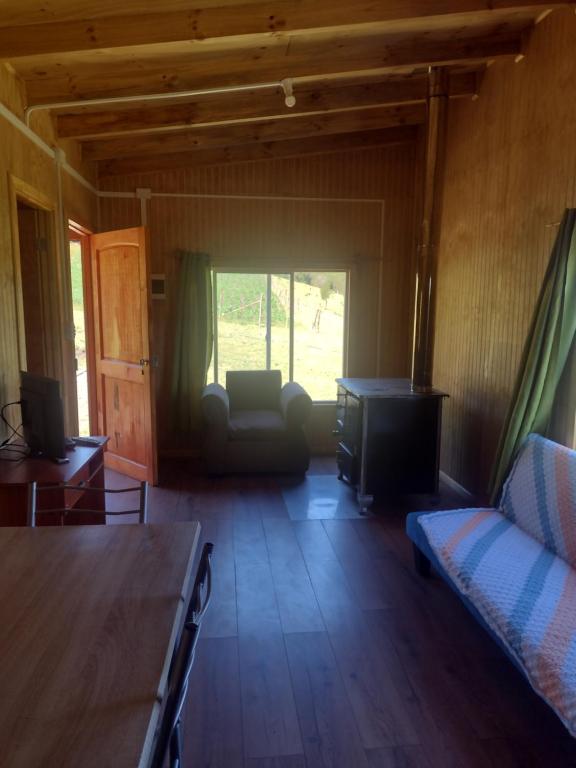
524 592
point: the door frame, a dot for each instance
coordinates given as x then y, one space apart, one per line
52 290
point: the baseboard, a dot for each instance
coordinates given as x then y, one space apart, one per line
456 487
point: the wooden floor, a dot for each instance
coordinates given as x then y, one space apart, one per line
322 647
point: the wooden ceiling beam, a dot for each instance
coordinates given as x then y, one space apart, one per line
309 61
317 145
85 28
238 108
268 130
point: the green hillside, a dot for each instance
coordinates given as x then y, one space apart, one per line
242 299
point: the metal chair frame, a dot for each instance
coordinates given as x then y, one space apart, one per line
169 735
34 489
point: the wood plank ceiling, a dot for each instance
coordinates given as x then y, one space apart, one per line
358 69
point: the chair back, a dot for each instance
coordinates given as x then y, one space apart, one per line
254 390
169 738
67 514
31 504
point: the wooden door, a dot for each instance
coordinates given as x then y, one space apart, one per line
124 385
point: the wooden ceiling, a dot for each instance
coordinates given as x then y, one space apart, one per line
358 69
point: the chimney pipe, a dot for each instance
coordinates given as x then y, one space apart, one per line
427 254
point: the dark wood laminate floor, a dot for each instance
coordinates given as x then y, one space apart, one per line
323 649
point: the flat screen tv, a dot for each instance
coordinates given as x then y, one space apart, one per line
42 416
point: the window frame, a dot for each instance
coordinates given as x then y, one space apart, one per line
268 273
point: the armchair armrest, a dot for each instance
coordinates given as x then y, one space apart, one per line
216 406
295 404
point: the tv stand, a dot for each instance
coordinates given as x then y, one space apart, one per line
84 467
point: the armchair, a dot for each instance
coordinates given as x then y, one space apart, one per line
255 424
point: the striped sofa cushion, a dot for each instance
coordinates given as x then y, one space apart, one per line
540 495
523 591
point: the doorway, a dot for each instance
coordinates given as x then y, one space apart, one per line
109 280
79 267
37 322
41 291
36 286
81 365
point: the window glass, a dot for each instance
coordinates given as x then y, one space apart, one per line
319 306
252 323
280 325
241 317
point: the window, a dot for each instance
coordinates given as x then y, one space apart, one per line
293 322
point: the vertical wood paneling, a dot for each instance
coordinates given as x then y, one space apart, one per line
511 171
292 233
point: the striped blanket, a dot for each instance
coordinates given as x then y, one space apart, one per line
540 495
515 564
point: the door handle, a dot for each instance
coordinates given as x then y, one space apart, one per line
144 362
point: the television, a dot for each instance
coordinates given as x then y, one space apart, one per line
42 416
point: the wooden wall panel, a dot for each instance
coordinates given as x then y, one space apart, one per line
23 160
365 173
348 228
511 171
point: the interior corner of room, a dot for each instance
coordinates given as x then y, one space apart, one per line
303 208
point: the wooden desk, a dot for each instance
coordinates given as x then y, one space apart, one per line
89 616
86 467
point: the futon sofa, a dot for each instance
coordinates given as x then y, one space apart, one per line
514 567
255 424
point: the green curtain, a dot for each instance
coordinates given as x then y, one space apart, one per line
545 353
193 339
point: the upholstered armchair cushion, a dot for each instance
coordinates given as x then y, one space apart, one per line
295 404
254 390
216 406
256 425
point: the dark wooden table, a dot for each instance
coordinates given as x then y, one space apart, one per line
89 617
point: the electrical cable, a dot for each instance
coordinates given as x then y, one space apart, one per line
14 459
14 448
13 432
21 452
